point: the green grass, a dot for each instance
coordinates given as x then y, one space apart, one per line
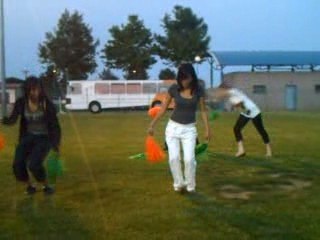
105 195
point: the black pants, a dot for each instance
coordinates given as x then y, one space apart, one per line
31 153
257 122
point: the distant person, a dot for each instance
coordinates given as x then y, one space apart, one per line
188 94
39 132
249 112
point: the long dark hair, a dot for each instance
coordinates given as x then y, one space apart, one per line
33 82
187 70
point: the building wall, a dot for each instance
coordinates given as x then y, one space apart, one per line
276 84
14 91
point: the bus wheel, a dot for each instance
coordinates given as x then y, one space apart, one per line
95 107
155 103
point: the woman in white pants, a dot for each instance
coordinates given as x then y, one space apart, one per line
181 128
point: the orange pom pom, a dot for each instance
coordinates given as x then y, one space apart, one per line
2 142
154 152
153 112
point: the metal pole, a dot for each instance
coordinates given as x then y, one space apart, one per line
211 72
221 74
2 60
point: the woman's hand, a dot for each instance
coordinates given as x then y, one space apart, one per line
5 121
207 135
150 131
56 149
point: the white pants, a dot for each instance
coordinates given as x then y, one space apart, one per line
187 135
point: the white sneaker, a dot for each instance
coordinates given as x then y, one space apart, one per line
179 188
191 190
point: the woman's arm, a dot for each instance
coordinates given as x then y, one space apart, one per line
53 126
218 94
204 115
12 119
162 111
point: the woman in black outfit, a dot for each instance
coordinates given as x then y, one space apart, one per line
39 133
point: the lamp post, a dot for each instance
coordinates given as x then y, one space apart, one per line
134 74
2 60
26 73
210 60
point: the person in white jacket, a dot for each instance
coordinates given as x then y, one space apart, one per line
249 111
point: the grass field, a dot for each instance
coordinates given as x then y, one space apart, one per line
104 195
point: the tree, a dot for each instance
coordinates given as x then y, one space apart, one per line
50 80
166 74
130 49
71 47
185 37
14 80
107 74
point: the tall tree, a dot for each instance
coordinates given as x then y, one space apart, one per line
14 80
185 37
166 74
71 47
130 49
107 74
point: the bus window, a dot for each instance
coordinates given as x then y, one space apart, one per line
133 88
76 88
164 88
101 88
117 88
149 87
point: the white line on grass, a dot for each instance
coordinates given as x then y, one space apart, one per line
87 162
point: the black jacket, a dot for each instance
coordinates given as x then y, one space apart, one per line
50 114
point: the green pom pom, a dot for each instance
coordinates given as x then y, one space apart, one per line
141 156
214 115
54 166
201 148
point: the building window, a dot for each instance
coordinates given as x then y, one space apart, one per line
259 89
317 88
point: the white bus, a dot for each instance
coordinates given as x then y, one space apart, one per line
96 95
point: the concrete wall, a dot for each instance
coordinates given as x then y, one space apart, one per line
276 84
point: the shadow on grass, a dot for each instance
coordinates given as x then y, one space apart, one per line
258 196
45 219
250 224
261 175
276 167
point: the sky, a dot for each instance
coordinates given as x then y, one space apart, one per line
233 25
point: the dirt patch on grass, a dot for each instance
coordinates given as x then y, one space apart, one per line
295 184
275 175
235 192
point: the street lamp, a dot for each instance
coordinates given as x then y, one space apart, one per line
134 74
2 60
197 58
26 73
207 56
